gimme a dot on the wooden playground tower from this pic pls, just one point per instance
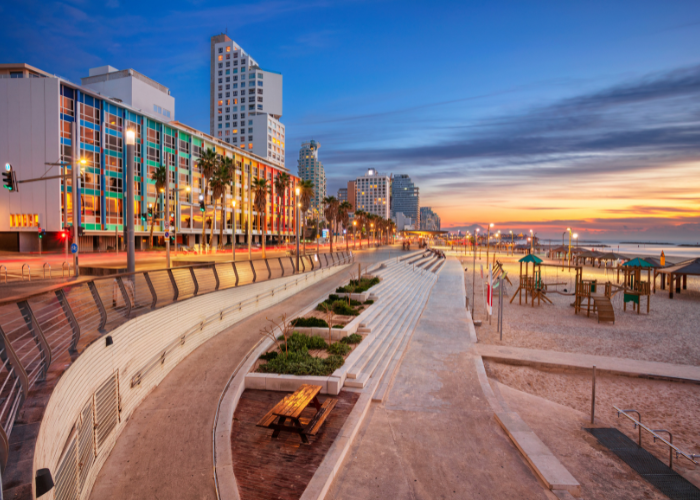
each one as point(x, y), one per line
point(633, 287)
point(533, 285)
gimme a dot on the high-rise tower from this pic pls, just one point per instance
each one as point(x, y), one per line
point(311, 169)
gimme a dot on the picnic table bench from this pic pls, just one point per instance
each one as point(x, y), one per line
point(292, 406)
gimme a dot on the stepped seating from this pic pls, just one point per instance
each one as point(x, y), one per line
point(604, 308)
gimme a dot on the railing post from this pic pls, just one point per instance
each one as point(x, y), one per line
point(235, 271)
point(295, 270)
point(61, 296)
point(174, 284)
point(125, 295)
point(302, 264)
point(152, 289)
point(281, 266)
point(99, 304)
point(38, 335)
point(255, 276)
point(269, 271)
point(216, 277)
point(194, 279)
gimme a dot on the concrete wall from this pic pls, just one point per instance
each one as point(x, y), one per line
point(136, 93)
point(135, 344)
point(272, 94)
point(29, 137)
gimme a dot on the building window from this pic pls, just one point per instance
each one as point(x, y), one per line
point(228, 49)
point(221, 50)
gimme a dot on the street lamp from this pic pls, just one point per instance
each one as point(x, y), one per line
point(476, 244)
point(532, 242)
point(576, 238)
point(130, 235)
point(568, 255)
point(372, 230)
point(233, 238)
point(488, 243)
point(297, 218)
point(354, 240)
point(512, 243)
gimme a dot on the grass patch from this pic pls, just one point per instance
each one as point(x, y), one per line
point(301, 363)
point(298, 342)
point(338, 326)
point(309, 322)
point(369, 302)
point(342, 308)
point(355, 338)
point(339, 348)
point(358, 286)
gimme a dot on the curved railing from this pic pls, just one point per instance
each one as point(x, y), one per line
point(46, 327)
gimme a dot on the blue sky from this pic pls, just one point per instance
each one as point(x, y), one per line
point(525, 113)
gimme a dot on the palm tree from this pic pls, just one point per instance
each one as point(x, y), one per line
point(208, 164)
point(306, 192)
point(230, 166)
point(281, 183)
point(330, 212)
point(343, 217)
point(260, 190)
point(159, 175)
point(218, 184)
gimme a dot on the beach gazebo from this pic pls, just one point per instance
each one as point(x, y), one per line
point(633, 287)
point(678, 275)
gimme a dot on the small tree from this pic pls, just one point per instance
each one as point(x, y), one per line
point(280, 325)
point(328, 311)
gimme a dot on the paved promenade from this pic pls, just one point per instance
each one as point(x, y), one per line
point(165, 451)
point(435, 436)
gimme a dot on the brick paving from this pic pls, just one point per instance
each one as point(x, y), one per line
point(280, 468)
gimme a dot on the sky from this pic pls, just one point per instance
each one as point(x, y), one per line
point(530, 115)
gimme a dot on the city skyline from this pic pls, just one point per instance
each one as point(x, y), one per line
point(596, 131)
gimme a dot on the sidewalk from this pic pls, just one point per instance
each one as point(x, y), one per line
point(435, 436)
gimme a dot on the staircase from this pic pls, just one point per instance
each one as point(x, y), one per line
point(604, 308)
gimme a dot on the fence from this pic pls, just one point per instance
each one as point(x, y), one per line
point(44, 328)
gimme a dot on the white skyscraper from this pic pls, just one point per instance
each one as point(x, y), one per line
point(372, 192)
point(246, 101)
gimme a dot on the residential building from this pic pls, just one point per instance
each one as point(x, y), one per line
point(245, 102)
point(311, 169)
point(372, 193)
point(429, 220)
point(342, 195)
point(38, 127)
point(403, 223)
point(405, 197)
point(352, 195)
point(132, 88)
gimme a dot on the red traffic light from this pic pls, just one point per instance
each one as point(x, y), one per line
point(63, 234)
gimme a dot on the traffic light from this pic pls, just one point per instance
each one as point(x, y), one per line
point(144, 218)
point(150, 210)
point(81, 231)
point(42, 233)
point(9, 179)
point(64, 235)
point(201, 203)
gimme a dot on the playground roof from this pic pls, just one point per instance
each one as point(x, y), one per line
point(612, 256)
point(637, 262)
point(691, 266)
point(531, 258)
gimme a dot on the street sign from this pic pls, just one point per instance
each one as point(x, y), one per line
point(74, 248)
point(167, 234)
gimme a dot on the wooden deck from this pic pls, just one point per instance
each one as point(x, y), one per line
point(279, 468)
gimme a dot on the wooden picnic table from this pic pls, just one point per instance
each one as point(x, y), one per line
point(292, 406)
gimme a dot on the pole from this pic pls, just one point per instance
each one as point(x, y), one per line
point(593, 399)
point(474, 277)
point(298, 209)
point(65, 208)
point(500, 306)
point(76, 191)
point(166, 211)
point(250, 214)
point(233, 242)
point(130, 235)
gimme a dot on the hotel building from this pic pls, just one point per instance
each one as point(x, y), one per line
point(245, 102)
point(342, 195)
point(45, 120)
point(405, 198)
point(372, 193)
point(429, 220)
point(311, 169)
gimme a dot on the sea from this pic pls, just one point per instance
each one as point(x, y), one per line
point(650, 249)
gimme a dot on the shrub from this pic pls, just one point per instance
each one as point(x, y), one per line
point(355, 303)
point(298, 342)
point(301, 363)
point(342, 308)
point(358, 286)
point(369, 302)
point(355, 338)
point(332, 298)
point(309, 322)
point(339, 348)
point(316, 342)
point(269, 355)
point(340, 327)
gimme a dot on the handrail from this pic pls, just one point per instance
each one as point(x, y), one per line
point(2, 266)
point(30, 273)
point(653, 432)
point(63, 269)
point(44, 268)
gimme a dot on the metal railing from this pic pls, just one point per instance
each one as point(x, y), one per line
point(30, 271)
point(40, 328)
point(653, 432)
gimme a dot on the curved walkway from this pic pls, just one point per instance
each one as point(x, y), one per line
point(165, 451)
point(435, 435)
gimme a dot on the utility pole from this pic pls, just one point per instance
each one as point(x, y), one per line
point(250, 214)
point(298, 211)
point(130, 235)
point(166, 213)
point(76, 189)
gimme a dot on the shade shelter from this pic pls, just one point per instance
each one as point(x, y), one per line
point(634, 288)
point(678, 275)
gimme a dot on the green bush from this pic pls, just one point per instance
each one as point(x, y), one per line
point(355, 338)
point(269, 355)
point(369, 302)
point(298, 342)
point(341, 307)
point(355, 303)
point(316, 342)
point(358, 286)
point(332, 298)
point(309, 322)
point(339, 348)
point(301, 363)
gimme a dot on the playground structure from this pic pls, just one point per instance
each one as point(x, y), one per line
point(633, 286)
point(533, 285)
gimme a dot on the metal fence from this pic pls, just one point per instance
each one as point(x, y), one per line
point(46, 327)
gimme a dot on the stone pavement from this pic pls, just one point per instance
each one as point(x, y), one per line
point(435, 436)
point(622, 366)
point(165, 451)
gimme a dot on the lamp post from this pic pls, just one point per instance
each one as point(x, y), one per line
point(233, 239)
point(512, 243)
point(297, 218)
point(532, 242)
point(476, 244)
point(130, 237)
point(371, 225)
point(354, 240)
point(488, 243)
point(568, 254)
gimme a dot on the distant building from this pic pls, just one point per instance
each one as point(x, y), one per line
point(403, 223)
point(352, 195)
point(342, 195)
point(372, 193)
point(429, 220)
point(245, 101)
point(405, 197)
point(311, 169)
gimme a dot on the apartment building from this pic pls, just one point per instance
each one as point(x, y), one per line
point(245, 102)
point(311, 169)
point(405, 198)
point(429, 220)
point(48, 124)
point(372, 192)
point(342, 195)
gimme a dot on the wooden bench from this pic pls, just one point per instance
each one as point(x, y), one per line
point(292, 406)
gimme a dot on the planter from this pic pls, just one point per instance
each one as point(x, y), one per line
point(360, 297)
